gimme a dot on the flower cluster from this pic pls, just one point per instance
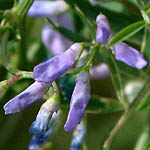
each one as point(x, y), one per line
point(50, 70)
point(122, 51)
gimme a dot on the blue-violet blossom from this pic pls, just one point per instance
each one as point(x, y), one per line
point(38, 140)
point(129, 55)
point(122, 51)
point(78, 136)
point(52, 69)
point(79, 101)
point(26, 98)
point(103, 29)
point(40, 125)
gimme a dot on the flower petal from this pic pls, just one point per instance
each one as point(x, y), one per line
point(129, 55)
point(26, 98)
point(79, 101)
point(52, 69)
point(103, 30)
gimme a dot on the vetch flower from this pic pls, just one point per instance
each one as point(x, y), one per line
point(52, 69)
point(54, 41)
point(78, 136)
point(103, 29)
point(38, 140)
point(129, 55)
point(41, 8)
point(79, 101)
point(33, 93)
point(40, 125)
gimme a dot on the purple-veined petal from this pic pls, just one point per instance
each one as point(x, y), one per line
point(52, 69)
point(33, 93)
point(129, 55)
point(79, 101)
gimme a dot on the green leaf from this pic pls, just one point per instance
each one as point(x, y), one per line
point(97, 105)
point(145, 104)
point(115, 74)
point(101, 105)
point(146, 43)
point(127, 32)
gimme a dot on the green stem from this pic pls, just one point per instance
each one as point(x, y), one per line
point(23, 7)
point(12, 70)
point(4, 57)
point(125, 116)
point(85, 20)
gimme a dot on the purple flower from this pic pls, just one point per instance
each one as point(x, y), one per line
point(40, 125)
point(38, 140)
point(52, 69)
point(79, 101)
point(129, 55)
point(100, 71)
point(54, 41)
point(103, 30)
point(26, 98)
point(47, 8)
point(78, 136)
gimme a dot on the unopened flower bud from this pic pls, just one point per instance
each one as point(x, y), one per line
point(79, 101)
point(33, 93)
point(38, 140)
point(103, 30)
point(52, 69)
point(40, 125)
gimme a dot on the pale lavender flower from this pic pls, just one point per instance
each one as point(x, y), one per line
point(129, 55)
point(52, 69)
point(47, 8)
point(54, 41)
point(78, 136)
point(79, 101)
point(103, 30)
point(100, 71)
point(40, 125)
point(26, 98)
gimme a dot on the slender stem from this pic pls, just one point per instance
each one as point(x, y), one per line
point(24, 7)
point(4, 57)
point(86, 20)
point(125, 116)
